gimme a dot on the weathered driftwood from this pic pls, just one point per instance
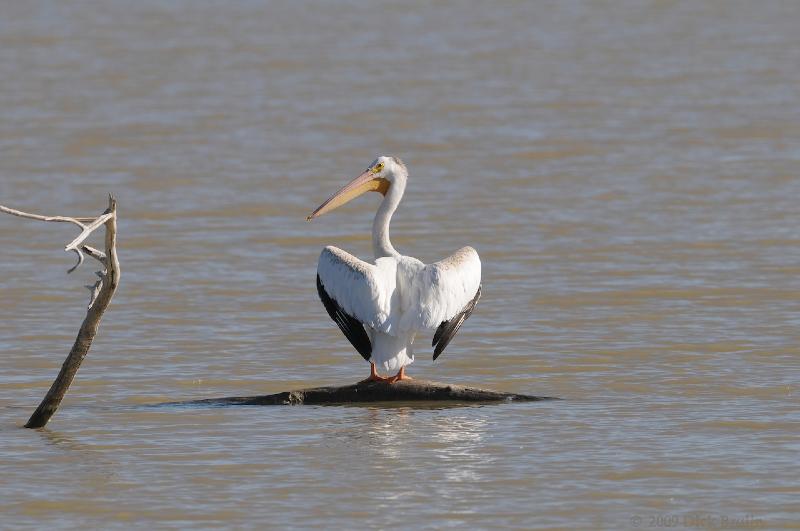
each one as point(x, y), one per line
point(402, 391)
point(101, 293)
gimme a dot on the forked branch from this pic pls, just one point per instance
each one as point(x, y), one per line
point(101, 293)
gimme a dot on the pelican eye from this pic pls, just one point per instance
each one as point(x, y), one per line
point(378, 167)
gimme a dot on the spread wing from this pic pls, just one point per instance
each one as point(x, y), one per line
point(447, 330)
point(358, 290)
point(352, 329)
point(443, 295)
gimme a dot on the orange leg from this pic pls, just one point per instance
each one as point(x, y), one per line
point(374, 376)
point(401, 375)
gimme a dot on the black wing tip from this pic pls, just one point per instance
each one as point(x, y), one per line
point(352, 329)
point(437, 352)
point(448, 329)
point(438, 334)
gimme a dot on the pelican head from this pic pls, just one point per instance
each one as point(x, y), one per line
point(378, 177)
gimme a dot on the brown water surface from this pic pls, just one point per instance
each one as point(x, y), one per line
point(628, 172)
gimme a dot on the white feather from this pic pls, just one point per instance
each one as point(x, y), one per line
point(439, 291)
point(399, 296)
point(365, 291)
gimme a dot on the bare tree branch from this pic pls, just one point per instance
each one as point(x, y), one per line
point(102, 292)
point(97, 254)
point(87, 231)
point(77, 221)
point(80, 261)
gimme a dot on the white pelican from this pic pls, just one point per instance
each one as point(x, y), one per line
point(381, 306)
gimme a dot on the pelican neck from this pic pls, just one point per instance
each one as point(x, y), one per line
point(381, 244)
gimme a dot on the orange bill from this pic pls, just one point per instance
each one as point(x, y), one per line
point(366, 182)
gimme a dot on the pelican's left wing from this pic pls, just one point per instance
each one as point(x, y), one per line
point(444, 295)
point(362, 291)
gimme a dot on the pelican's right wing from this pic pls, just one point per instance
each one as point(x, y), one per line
point(361, 291)
point(443, 296)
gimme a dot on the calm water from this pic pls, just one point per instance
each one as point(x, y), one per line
point(628, 172)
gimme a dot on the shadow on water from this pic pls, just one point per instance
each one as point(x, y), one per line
point(86, 454)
